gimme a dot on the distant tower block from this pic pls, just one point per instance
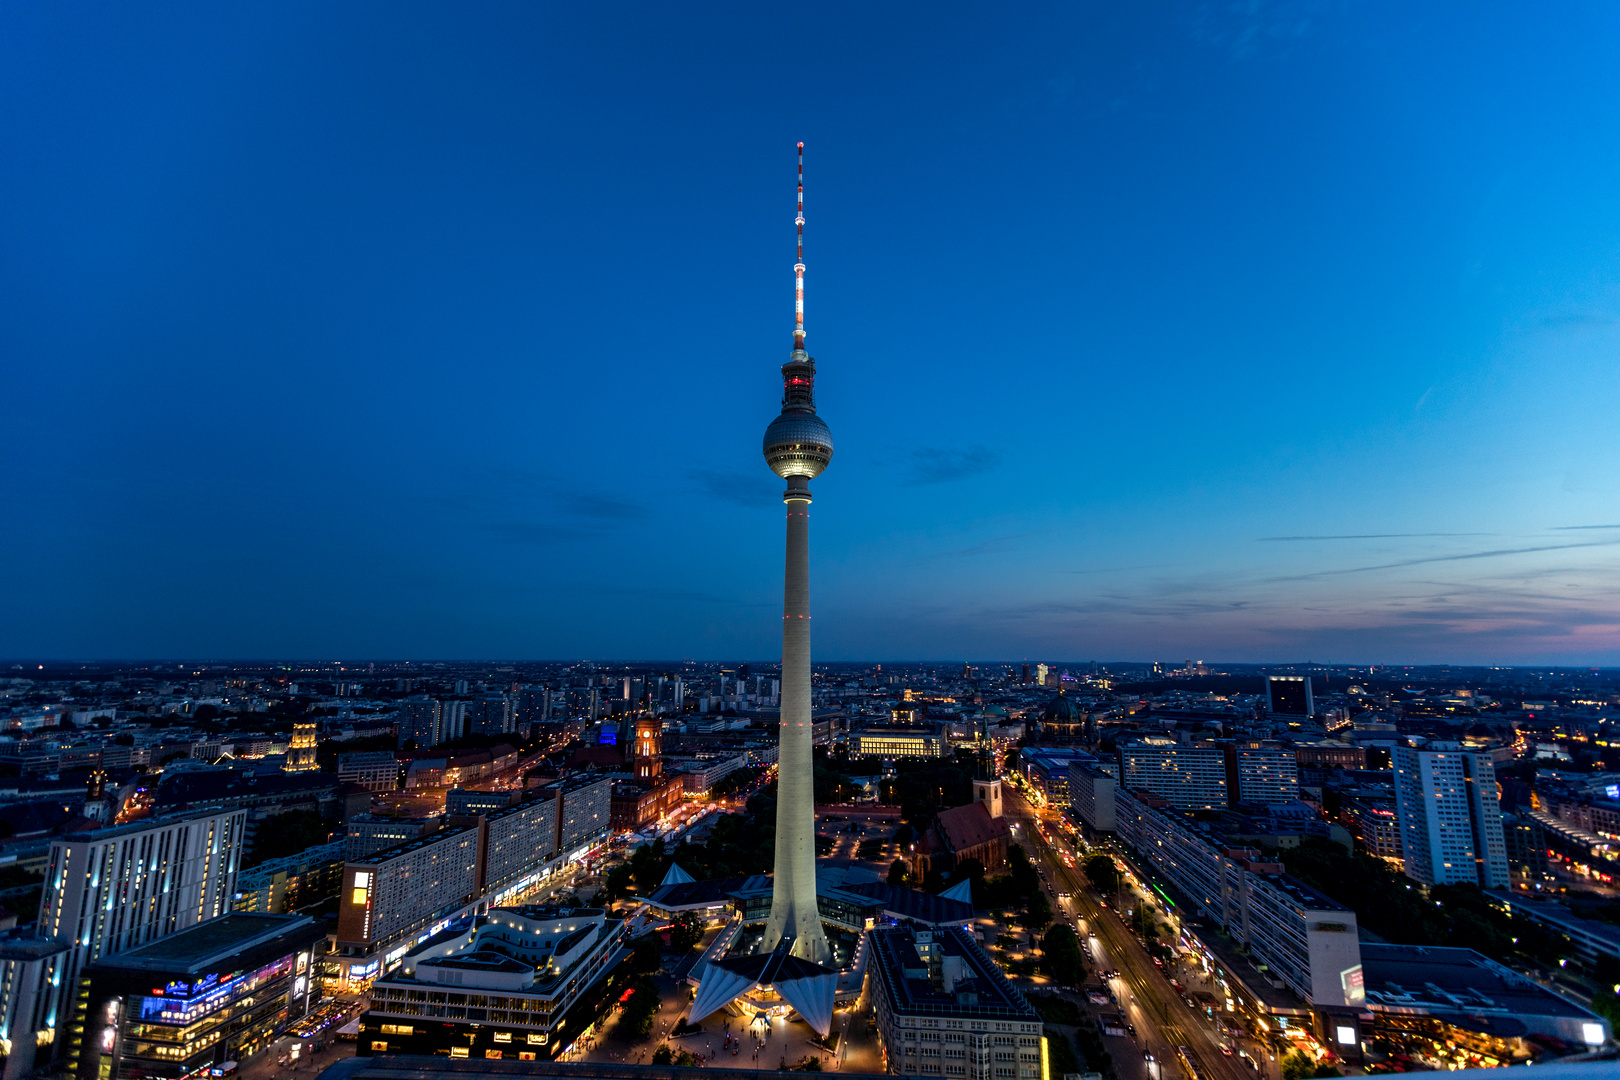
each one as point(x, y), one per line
point(989, 793)
point(301, 750)
point(798, 447)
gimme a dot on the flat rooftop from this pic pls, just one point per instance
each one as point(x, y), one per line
point(894, 950)
point(1461, 981)
point(209, 943)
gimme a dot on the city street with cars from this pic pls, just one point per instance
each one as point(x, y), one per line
point(1165, 1039)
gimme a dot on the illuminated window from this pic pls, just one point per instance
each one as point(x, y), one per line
point(379, 1046)
point(503, 1036)
point(525, 1055)
point(496, 1054)
point(458, 1051)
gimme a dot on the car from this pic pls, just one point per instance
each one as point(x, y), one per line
point(1132, 1029)
point(1226, 1049)
point(1147, 1055)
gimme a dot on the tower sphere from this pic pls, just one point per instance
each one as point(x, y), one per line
point(798, 444)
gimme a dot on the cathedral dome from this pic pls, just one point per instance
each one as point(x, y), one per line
point(1062, 710)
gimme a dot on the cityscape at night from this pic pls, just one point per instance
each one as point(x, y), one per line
point(423, 655)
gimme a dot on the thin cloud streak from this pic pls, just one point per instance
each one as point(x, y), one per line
point(1447, 558)
point(1367, 536)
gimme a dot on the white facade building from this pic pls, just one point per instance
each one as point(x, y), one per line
point(1188, 777)
point(1450, 819)
point(1306, 939)
point(110, 890)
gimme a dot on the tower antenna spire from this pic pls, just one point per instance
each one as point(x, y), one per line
point(798, 266)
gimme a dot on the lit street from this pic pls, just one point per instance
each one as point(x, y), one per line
point(1162, 1020)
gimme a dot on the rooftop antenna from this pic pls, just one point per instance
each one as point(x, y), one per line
point(798, 267)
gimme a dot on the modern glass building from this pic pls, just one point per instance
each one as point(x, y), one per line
point(180, 1006)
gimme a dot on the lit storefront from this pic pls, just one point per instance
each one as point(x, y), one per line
point(216, 993)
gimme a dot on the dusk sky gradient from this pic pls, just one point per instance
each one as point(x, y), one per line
point(1234, 331)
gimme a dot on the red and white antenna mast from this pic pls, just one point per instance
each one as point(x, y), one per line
point(798, 267)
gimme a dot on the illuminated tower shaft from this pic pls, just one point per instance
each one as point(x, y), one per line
point(798, 446)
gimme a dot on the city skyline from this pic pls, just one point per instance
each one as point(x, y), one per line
point(1253, 335)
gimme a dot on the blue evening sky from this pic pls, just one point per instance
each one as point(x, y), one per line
point(1234, 331)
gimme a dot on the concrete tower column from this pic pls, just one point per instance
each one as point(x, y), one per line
point(797, 447)
point(793, 898)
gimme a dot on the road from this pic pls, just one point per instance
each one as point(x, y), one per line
point(1162, 1019)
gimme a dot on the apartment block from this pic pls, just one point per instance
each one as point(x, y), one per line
point(943, 1008)
point(391, 895)
point(1451, 825)
point(419, 720)
point(1261, 773)
point(1091, 795)
point(110, 890)
point(369, 833)
point(374, 770)
point(1189, 777)
point(1306, 939)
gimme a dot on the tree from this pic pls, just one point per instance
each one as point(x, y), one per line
point(1023, 871)
point(1061, 956)
point(903, 835)
point(663, 1055)
point(644, 953)
point(899, 874)
point(685, 932)
point(1039, 912)
point(1296, 1066)
point(617, 882)
point(1103, 874)
point(641, 1009)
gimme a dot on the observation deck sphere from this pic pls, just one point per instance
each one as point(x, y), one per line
point(798, 444)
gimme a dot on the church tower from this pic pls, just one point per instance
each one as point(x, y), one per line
point(989, 793)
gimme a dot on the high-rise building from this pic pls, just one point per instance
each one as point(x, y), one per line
point(798, 446)
point(1526, 843)
point(532, 706)
point(419, 720)
point(1451, 823)
point(1188, 777)
point(491, 714)
point(115, 889)
point(1261, 773)
point(452, 721)
point(1289, 695)
point(1040, 674)
point(1091, 794)
point(301, 749)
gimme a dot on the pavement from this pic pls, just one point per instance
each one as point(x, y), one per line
point(754, 1049)
point(266, 1065)
point(1162, 1019)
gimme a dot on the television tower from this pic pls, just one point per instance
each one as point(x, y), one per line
point(798, 446)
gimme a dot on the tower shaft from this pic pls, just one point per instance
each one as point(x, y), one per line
point(793, 897)
point(797, 447)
